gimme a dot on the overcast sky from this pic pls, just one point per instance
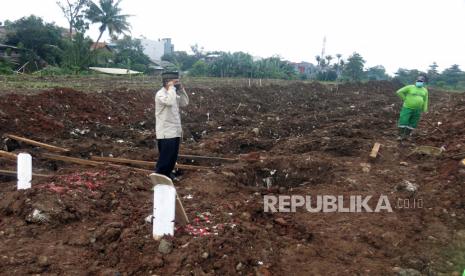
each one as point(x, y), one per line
point(394, 33)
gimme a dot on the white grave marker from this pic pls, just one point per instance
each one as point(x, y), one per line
point(164, 202)
point(24, 171)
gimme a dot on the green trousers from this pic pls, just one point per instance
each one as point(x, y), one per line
point(409, 118)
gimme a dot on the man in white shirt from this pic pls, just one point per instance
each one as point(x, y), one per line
point(168, 100)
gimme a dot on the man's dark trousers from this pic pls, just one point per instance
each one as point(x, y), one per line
point(168, 150)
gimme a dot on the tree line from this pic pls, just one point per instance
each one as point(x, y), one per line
point(239, 64)
point(69, 51)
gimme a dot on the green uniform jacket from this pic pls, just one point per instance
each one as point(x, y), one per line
point(414, 97)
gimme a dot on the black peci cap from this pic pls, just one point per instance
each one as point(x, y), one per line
point(170, 75)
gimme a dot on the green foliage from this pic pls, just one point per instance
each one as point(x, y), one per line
point(42, 40)
point(407, 76)
point(353, 69)
point(108, 15)
point(240, 64)
point(199, 69)
point(77, 55)
point(181, 59)
point(237, 64)
point(452, 76)
point(5, 68)
point(377, 72)
point(129, 49)
point(102, 58)
point(53, 71)
point(433, 74)
point(326, 75)
point(274, 68)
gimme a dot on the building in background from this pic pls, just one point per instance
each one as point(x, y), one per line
point(306, 69)
point(2, 33)
point(155, 49)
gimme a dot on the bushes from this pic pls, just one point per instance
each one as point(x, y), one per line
point(5, 68)
point(53, 71)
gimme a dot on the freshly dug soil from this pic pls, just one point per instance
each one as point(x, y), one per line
point(301, 139)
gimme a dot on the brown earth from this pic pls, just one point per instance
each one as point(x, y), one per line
point(301, 139)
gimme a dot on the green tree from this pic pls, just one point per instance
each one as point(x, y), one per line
point(108, 15)
point(328, 59)
point(199, 69)
point(77, 55)
point(326, 75)
point(130, 52)
point(73, 12)
point(183, 60)
point(353, 69)
point(377, 72)
point(318, 60)
point(274, 68)
point(433, 73)
point(453, 75)
point(407, 76)
point(42, 40)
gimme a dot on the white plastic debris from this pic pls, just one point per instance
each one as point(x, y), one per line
point(164, 202)
point(408, 186)
point(24, 171)
point(37, 216)
point(188, 197)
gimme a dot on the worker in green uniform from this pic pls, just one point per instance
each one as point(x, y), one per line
point(415, 98)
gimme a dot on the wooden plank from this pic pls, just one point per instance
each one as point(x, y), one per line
point(37, 144)
point(200, 157)
point(124, 161)
point(71, 159)
point(8, 155)
point(127, 167)
point(375, 150)
point(13, 173)
point(149, 164)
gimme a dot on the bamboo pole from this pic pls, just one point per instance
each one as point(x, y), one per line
point(144, 163)
point(208, 157)
point(13, 173)
point(37, 144)
point(71, 159)
point(8, 155)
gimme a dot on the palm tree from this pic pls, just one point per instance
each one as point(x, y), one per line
point(329, 58)
point(108, 14)
point(338, 57)
point(318, 59)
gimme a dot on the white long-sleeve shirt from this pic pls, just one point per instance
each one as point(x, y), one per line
point(167, 115)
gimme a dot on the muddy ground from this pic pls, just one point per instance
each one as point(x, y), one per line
point(300, 139)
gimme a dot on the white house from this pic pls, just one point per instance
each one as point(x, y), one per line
point(155, 49)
